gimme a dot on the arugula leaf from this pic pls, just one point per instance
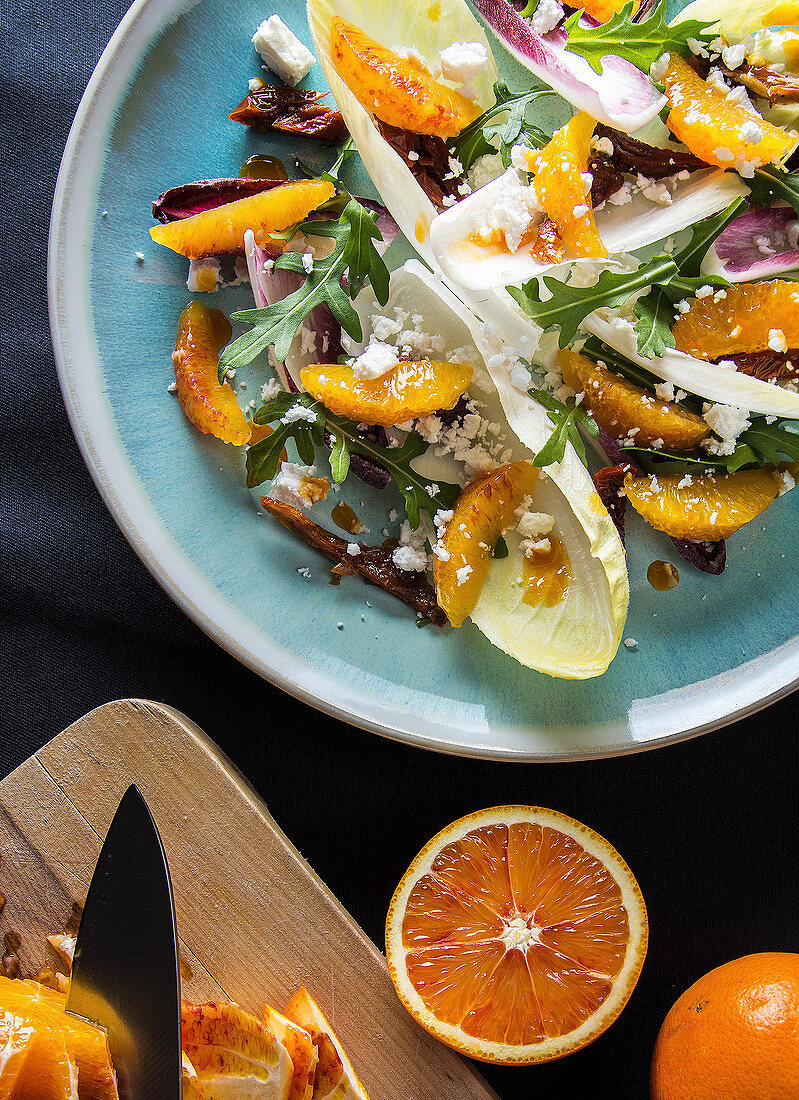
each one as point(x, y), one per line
point(481, 137)
point(770, 441)
point(566, 416)
point(263, 458)
point(655, 315)
point(761, 444)
point(772, 182)
point(639, 43)
point(353, 254)
point(569, 305)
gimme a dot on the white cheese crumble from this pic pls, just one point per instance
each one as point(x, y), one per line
point(298, 485)
point(307, 262)
point(520, 378)
point(727, 421)
point(410, 555)
point(462, 63)
point(282, 50)
point(534, 528)
point(514, 209)
point(376, 358)
point(463, 573)
point(298, 412)
point(777, 340)
point(485, 169)
point(270, 389)
point(353, 549)
point(631, 643)
point(546, 16)
point(787, 482)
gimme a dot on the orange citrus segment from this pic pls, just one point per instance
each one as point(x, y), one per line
point(713, 127)
point(191, 1089)
point(512, 929)
point(233, 1053)
point(408, 390)
point(43, 1009)
point(399, 91)
point(222, 229)
point(560, 187)
point(602, 10)
point(335, 1078)
point(712, 506)
point(211, 407)
point(302, 1052)
point(752, 317)
point(484, 509)
point(620, 407)
point(48, 1073)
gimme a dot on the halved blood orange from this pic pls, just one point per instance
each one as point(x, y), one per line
point(749, 317)
point(713, 127)
point(406, 391)
point(397, 90)
point(221, 230)
point(211, 407)
point(516, 935)
point(560, 187)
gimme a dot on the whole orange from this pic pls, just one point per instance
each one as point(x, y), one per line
point(733, 1034)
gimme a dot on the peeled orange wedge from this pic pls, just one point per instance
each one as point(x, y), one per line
point(712, 506)
point(560, 187)
point(302, 1052)
point(233, 1053)
point(712, 126)
point(403, 392)
point(516, 935)
point(397, 90)
point(746, 319)
point(619, 407)
point(211, 407)
point(484, 509)
point(335, 1079)
point(220, 230)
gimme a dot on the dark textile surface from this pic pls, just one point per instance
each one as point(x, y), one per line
point(708, 827)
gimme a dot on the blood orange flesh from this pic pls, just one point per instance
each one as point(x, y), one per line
point(516, 935)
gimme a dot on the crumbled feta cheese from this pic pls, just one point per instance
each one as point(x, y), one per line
point(377, 358)
point(298, 486)
point(631, 643)
point(546, 16)
point(513, 211)
point(307, 262)
point(172, 387)
point(304, 572)
point(602, 145)
point(282, 50)
point(253, 84)
point(463, 573)
point(733, 56)
point(654, 190)
point(205, 275)
point(750, 131)
point(353, 549)
point(139, 257)
point(412, 155)
point(270, 389)
point(410, 555)
point(580, 210)
point(665, 391)
point(298, 412)
point(462, 63)
point(777, 340)
point(485, 169)
point(685, 482)
point(787, 482)
point(520, 378)
point(727, 422)
point(658, 68)
point(724, 154)
point(384, 327)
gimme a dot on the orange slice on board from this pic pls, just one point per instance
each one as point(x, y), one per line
point(516, 935)
point(709, 507)
point(210, 406)
point(302, 1052)
point(402, 393)
point(620, 407)
point(713, 127)
point(335, 1079)
point(220, 230)
point(233, 1053)
point(397, 90)
point(49, 1072)
point(560, 188)
point(482, 512)
point(751, 315)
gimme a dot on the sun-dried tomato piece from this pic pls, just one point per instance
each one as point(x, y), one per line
point(193, 198)
point(374, 563)
point(766, 82)
point(609, 482)
point(766, 365)
point(631, 155)
point(290, 110)
point(429, 163)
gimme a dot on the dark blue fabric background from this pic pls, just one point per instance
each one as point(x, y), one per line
point(709, 827)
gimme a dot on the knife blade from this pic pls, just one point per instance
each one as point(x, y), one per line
point(125, 974)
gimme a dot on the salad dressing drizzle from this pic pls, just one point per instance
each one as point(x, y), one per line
point(546, 577)
point(263, 167)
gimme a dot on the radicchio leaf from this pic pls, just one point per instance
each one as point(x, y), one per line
point(759, 244)
point(622, 96)
point(188, 199)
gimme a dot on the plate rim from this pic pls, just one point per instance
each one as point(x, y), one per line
point(134, 524)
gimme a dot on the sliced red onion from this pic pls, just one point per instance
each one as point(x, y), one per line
point(759, 244)
point(622, 96)
point(708, 557)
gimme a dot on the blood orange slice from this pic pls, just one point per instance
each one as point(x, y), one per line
point(516, 935)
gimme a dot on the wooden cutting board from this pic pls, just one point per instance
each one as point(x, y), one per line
point(254, 920)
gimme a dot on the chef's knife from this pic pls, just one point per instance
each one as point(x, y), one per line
point(125, 974)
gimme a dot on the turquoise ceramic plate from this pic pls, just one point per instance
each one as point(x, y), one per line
point(154, 115)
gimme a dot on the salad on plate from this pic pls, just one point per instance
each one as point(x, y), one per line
point(602, 310)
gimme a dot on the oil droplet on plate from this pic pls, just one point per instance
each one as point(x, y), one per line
point(662, 575)
point(262, 167)
point(344, 517)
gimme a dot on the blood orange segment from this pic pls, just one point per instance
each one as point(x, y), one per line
point(709, 507)
point(481, 513)
point(602, 10)
point(620, 407)
point(397, 90)
point(220, 230)
point(561, 189)
point(516, 935)
point(716, 129)
point(335, 1079)
point(211, 407)
point(750, 317)
point(408, 390)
